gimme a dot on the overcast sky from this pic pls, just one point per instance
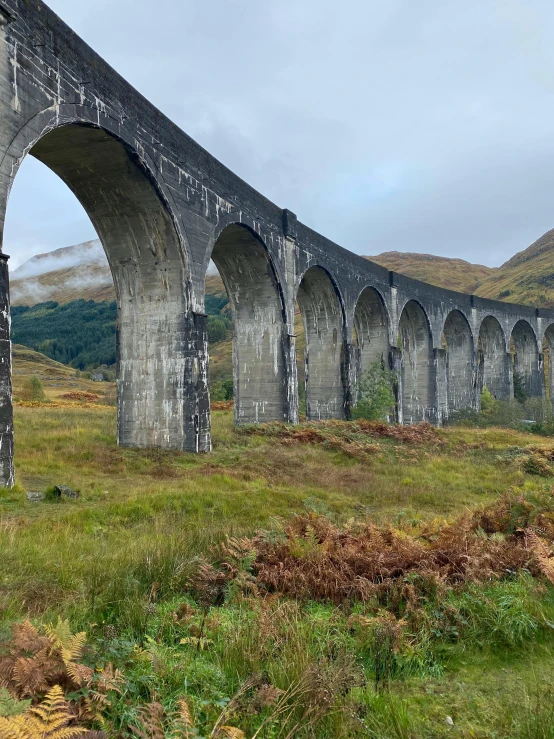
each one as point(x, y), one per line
point(386, 125)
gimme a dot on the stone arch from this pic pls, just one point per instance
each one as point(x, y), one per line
point(460, 362)
point(70, 115)
point(371, 330)
point(259, 324)
point(159, 377)
point(322, 312)
point(526, 358)
point(417, 391)
point(494, 374)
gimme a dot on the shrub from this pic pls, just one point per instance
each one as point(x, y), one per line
point(33, 390)
point(222, 390)
point(506, 413)
point(488, 401)
point(520, 393)
point(375, 394)
point(217, 329)
point(536, 409)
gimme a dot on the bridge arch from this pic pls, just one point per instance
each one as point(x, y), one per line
point(492, 359)
point(417, 387)
point(130, 207)
point(526, 359)
point(460, 362)
point(371, 328)
point(255, 294)
point(322, 309)
point(70, 115)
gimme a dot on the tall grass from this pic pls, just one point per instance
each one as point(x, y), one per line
point(118, 563)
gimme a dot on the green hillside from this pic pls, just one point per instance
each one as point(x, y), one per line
point(454, 274)
point(80, 333)
point(526, 278)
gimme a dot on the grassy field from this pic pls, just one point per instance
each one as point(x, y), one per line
point(57, 379)
point(136, 563)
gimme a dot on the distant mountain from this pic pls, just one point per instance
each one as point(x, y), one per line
point(78, 272)
point(454, 274)
point(67, 274)
point(526, 278)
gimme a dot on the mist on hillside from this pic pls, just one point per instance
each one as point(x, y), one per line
point(90, 252)
point(73, 270)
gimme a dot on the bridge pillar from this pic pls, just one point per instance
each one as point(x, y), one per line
point(350, 374)
point(6, 410)
point(503, 388)
point(395, 364)
point(290, 378)
point(162, 379)
point(441, 391)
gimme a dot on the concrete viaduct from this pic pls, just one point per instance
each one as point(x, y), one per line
point(163, 207)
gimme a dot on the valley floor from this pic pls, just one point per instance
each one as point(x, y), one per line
point(136, 562)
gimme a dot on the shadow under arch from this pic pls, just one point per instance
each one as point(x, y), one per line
point(158, 377)
point(417, 392)
point(322, 311)
point(260, 368)
point(526, 359)
point(461, 378)
point(371, 330)
point(494, 373)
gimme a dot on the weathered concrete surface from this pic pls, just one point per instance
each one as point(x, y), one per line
point(526, 358)
point(494, 362)
point(548, 354)
point(163, 206)
point(418, 389)
point(325, 345)
point(6, 411)
point(371, 332)
point(461, 375)
point(260, 340)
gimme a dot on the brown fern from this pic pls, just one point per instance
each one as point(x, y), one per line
point(184, 725)
point(543, 554)
point(153, 721)
point(229, 732)
point(28, 675)
point(50, 719)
